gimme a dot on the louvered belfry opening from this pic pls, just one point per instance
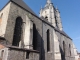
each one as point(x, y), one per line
point(17, 32)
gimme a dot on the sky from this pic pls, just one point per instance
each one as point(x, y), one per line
point(70, 15)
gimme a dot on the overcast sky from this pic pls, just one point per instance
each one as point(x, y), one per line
point(70, 15)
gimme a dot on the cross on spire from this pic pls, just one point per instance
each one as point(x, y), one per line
point(48, 1)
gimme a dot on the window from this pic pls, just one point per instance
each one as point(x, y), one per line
point(2, 53)
point(64, 47)
point(27, 55)
point(70, 49)
point(46, 17)
point(1, 18)
point(34, 37)
point(1, 15)
point(63, 57)
point(48, 40)
point(17, 32)
point(56, 23)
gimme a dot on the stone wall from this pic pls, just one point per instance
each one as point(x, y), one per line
point(27, 31)
point(21, 54)
point(4, 17)
point(4, 53)
point(48, 55)
point(68, 42)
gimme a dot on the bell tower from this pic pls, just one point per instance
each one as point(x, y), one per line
point(48, 12)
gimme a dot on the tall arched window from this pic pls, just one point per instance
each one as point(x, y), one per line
point(70, 49)
point(34, 37)
point(48, 40)
point(17, 32)
point(64, 47)
point(64, 50)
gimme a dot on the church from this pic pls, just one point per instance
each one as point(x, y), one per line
point(25, 36)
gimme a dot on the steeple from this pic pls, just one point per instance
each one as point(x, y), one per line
point(48, 3)
point(48, 12)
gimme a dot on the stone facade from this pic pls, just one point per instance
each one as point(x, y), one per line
point(35, 38)
point(79, 56)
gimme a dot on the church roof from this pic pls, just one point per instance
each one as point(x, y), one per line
point(23, 5)
point(62, 32)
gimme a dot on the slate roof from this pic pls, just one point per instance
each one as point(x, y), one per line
point(62, 32)
point(23, 5)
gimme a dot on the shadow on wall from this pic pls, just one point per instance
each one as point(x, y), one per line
point(38, 43)
point(62, 54)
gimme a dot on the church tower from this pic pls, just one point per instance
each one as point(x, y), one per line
point(50, 13)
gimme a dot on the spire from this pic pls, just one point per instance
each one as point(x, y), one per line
point(56, 8)
point(48, 1)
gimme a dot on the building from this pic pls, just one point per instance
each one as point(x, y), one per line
point(79, 56)
point(25, 36)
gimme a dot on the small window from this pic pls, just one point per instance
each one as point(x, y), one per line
point(46, 17)
point(2, 53)
point(27, 55)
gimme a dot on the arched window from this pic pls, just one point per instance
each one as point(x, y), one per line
point(17, 32)
point(48, 40)
point(34, 37)
point(64, 47)
point(70, 49)
point(64, 50)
